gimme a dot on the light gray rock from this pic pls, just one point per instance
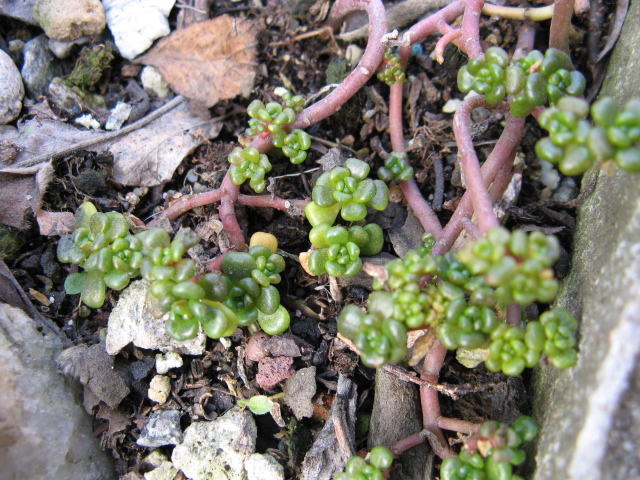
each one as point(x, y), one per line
point(70, 19)
point(589, 415)
point(40, 66)
point(11, 89)
point(162, 428)
point(44, 432)
point(159, 388)
point(136, 24)
point(166, 471)
point(20, 9)
point(119, 115)
point(62, 49)
point(217, 449)
point(263, 467)
point(131, 322)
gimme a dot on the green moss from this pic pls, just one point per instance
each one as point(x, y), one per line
point(90, 66)
point(10, 241)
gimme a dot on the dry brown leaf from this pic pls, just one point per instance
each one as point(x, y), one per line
point(55, 223)
point(150, 155)
point(20, 195)
point(117, 421)
point(208, 61)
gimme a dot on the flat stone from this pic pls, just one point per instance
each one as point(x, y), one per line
point(11, 89)
point(217, 449)
point(162, 428)
point(130, 321)
point(135, 25)
point(589, 415)
point(40, 66)
point(44, 431)
point(159, 388)
point(263, 467)
point(70, 19)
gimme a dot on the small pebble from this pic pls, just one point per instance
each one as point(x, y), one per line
point(159, 389)
point(70, 19)
point(11, 89)
point(152, 80)
point(162, 428)
point(119, 115)
point(166, 362)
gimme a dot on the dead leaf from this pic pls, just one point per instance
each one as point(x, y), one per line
point(55, 223)
point(93, 367)
point(22, 194)
point(208, 61)
point(299, 390)
point(149, 156)
point(334, 444)
point(117, 421)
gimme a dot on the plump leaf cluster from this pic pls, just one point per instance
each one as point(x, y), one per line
point(396, 167)
point(369, 468)
point(175, 289)
point(294, 145)
point(379, 337)
point(242, 294)
point(346, 191)
point(273, 116)
point(535, 80)
point(338, 249)
point(249, 163)
point(392, 70)
point(252, 296)
point(103, 247)
point(517, 265)
point(512, 348)
point(574, 143)
point(494, 454)
point(463, 296)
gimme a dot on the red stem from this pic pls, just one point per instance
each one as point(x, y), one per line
point(470, 165)
point(367, 66)
point(471, 28)
point(560, 25)
point(501, 155)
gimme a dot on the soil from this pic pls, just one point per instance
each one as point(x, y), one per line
point(202, 386)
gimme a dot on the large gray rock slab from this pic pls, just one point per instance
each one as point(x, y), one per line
point(44, 431)
point(590, 414)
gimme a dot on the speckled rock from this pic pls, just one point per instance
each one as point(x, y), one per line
point(40, 66)
point(159, 388)
point(44, 432)
point(263, 467)
point(217, 449)
point(162, 428)
point(70, 19)
point(589, 415)
point(11, 89)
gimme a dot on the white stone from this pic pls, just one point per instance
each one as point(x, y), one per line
point(135, 24)
point(164, 363)
point(62, 49)
point(119, 115)
point(451, 106)
point(88, 121)
point(151, 79)
point(263, 467)
point(159, 388)
point(11, 89)
point(217, 449)
point(130, 321)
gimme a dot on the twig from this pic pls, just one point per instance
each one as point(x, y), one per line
point(104, 137)
point(536, 14)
